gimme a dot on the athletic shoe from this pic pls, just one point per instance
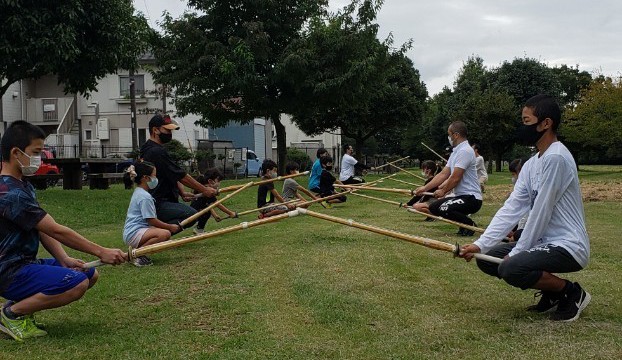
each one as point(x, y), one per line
point(327, 205)
point(460, 232)
point(20, 328)
point(429, 219)
point(548, 302)
point(198, 231)
point(142, 261)
point(572, 304)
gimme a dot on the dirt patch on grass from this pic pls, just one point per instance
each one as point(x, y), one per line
point(592, 191)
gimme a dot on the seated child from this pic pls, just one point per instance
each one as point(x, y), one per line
point(266, 193)
point(327, 180)
point(142, 226)
point(422, 203)
point(291, 187)
point(211, 178)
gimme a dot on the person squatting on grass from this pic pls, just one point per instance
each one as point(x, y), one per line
point(316, 171)
point(327, 181)
point(554, 239)
point(350, 166)
point(142, 226)
point(266, 193)
point(460, 176)
point(291, 187)
point(211, 178)
point(30, 284)
point(422, 202)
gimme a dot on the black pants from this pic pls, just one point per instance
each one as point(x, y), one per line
point(173, 212)
point(456, 208)
point(200, 204)
point(524, 269)
point(352, 180)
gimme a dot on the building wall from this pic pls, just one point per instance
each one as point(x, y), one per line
point(12, 104)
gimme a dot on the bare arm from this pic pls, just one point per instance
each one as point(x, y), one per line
point(436, 181)
point(226, 210)
point(277, 195)
point(173, 228)
point(190, 182)
point(53, 247)
point(451, 183)
point(307, 192)
point(72, 239)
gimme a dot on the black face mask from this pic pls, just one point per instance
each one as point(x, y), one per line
point(165, 138)
point(329, 168)
point(528, 134)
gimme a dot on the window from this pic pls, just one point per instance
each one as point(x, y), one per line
point(142, 136)
point(251, 156)
point(88, 135)
point(124, 85)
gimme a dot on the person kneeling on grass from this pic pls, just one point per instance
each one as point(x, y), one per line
point(211, 179)
point(266, 193)
point(142, 226)
point(291, 187)
point(30, 284)
point(327, 181)
point(422, 202)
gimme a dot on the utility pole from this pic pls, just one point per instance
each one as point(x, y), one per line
point(133, 110)
point(163, 99)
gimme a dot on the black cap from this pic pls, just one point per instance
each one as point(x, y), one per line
point(163, 121)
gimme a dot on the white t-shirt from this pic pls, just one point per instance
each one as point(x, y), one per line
point(549, 186)
point(463, 157)
point(480, 166)
point(347, 167)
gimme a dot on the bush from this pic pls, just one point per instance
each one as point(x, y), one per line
point(299, 157)
point(178, 152)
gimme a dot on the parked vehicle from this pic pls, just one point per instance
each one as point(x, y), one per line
point(252, 165)
point(45, 169)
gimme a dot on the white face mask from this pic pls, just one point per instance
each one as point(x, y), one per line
point(152, 183)
point(34, 164)
point(451, 143)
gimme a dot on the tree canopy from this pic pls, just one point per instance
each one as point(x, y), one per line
point(79, 41)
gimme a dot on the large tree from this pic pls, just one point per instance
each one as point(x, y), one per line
point(79, 41)
point(221, 60)
point(342, 77)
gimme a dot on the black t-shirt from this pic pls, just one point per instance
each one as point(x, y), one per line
point(264, 194)
point(326, 182)
point(168, 173)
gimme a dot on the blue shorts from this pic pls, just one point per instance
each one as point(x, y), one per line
point(46, 276)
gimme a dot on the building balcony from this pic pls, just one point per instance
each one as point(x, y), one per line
point(47, 111)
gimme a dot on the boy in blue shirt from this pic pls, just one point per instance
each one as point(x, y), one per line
point(316, 171)
point(30, 284)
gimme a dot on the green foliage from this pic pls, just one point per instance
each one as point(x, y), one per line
point(299, 157)
point(342, 77)
point(178, 152)
point(79, 41)
point(595, 122)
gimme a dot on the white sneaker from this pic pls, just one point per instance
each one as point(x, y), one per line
point(198, 231)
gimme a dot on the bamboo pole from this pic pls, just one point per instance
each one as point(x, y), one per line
point(427, 242)
point(405, 182)
point(379, 199)
point(435, 153)
point(213, 205)
point(408, 172)
point(391, 162)
point(400, 191)
point(261, 182)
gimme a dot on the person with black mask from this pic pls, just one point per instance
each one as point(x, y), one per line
point(554, 239)
point(169, 174)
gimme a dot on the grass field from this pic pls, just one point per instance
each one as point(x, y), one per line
point(303, 288)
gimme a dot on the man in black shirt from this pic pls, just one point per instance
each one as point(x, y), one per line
point(169, 174)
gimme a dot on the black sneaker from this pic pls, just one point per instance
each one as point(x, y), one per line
point(571, 304)
point(460, 232)
point(548, 302)
point(467, 232)
point(142, 261)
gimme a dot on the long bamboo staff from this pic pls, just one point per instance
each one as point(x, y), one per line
point(408, 172)
point(213, 205)
point(261, 182)
point(400, 191)
point(405, 182)
point(430, 243)
point(170, 244)
point(391, 162)
point(435, 153)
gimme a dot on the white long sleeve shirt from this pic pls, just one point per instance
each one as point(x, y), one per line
point(549, 186)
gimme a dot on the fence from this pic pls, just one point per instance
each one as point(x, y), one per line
point(89, 151)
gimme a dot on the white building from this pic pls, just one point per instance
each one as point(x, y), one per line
point(294, 137)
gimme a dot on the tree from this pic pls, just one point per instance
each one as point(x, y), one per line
point(222, 61)
point(342, 77)
point(79, 41)
point(179, 153)
point(571, 82)
point(594, 123)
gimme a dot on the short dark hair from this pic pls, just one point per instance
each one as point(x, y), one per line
point(213, 174)
point(268, 165)
point(516, 165)
point(291, 166)
point(476, 147)
point(429, 164)
point(460, 128)
point(346, 147)
point(321, 151)
point(19, 134)
point(326, 159)
point(142, 168)
point(545, 106)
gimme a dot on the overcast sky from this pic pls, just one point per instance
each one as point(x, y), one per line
point(447, 32)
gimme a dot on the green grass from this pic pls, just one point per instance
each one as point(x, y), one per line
point(304, 288)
